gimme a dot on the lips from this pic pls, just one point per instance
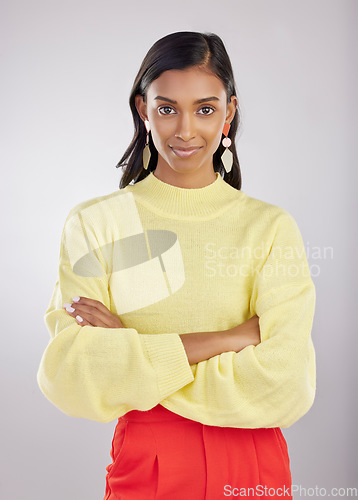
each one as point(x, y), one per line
point(185, 153)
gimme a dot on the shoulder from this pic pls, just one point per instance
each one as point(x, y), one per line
point(95, 207)
point(265, 212)
point(271, 223)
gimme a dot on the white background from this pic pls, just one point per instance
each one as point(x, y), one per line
point(67, 70)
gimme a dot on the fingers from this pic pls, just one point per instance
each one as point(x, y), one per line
point(87, 312)
point(92, 312)
point(82, 321)
point(86, 301)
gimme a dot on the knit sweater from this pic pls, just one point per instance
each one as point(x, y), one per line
point(169, 261)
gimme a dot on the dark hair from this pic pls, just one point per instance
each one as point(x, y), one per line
point(180, 50)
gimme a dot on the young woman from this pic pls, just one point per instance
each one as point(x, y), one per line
point(184, 307)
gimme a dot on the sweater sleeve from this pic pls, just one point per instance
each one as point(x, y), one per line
point(102, 373)
point(272, 384)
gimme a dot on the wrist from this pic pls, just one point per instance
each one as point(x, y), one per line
point(201, 346)
point(236, 338)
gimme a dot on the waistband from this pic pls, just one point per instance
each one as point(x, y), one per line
point(156, 414)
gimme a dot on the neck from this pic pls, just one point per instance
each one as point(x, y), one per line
point(188, 180)
point(185, 203)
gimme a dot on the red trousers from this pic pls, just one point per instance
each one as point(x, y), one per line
point(159, 455)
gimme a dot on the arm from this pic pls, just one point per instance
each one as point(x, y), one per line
point(198, 346)
point(95, 372)
point(273, 383)
point(201, 346)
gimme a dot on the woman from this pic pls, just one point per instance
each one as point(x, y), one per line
point(193, 308)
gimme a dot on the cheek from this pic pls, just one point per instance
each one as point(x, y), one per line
point(211, 135)
point(161, 137)
point(217, 141)
point(213, 140)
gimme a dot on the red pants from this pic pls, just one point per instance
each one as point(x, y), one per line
point(159, 455)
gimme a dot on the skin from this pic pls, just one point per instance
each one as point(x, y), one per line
point(186, 124)
point(183, 124)
point(93, 313)
point(198, 346)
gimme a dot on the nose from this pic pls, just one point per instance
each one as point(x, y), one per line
point(186, 128)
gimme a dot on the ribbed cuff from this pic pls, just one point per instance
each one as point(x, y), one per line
point(168, 357)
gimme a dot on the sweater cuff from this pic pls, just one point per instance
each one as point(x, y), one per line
point(169, 360)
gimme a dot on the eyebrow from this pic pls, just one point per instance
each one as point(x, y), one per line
point(205, 99)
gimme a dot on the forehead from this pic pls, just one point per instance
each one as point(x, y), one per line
point(186, 85)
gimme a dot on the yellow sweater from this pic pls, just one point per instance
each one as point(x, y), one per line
point(170, 261)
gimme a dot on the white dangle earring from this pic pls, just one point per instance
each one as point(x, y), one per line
point(227, 156)
point(146, 150)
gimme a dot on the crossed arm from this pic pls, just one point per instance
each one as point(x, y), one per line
point(199, 346)
point(260, 373)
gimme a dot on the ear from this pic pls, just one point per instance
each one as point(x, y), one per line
point(141, 107)
point(231, 109)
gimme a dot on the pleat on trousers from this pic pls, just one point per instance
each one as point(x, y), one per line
point(159, 455)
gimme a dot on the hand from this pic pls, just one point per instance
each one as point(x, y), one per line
point(247, 333)
point(93, 313)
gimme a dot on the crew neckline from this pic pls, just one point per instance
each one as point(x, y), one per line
point(185, 203)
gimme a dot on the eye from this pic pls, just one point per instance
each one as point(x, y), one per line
point(208, 107)
point(170, 108)
point(164, 107)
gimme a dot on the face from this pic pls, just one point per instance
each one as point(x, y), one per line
point(186, 132)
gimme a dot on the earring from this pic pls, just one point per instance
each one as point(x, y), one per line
point(146, 150)
point(227, 157)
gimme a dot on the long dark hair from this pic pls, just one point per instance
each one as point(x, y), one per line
point(180, 50)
